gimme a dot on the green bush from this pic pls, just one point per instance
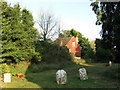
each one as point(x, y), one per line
point(102, 55)
point(89, 60)
point(89, 54)
point(53, 53)
point(5, 68)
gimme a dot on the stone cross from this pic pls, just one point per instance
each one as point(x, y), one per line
point(61, 77)
point(7, 77)
point(83, 74)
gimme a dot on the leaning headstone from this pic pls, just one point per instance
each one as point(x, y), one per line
point(83, 74)
point(61, 77)
point(7, 77)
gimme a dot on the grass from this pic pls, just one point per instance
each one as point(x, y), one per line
point(99, 76)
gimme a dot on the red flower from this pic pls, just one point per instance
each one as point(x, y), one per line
point(2, 76)
point(16, 75)
point(21, 76)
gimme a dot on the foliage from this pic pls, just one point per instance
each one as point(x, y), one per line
point(86, 50)
point(98, 43)
point(80, 61)
point(108, 15)
point(103, 55)
point(92, 44)
point(18, 35)
point(89, 54)
point(5, 68)
point(53, 53)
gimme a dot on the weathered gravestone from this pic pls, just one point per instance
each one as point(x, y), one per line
point(7, 77)
point(110, 63)
point(61, 77)
point(83, 74)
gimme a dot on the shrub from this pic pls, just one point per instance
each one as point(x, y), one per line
point(102, 55)
point(89, 54)
point(5, 68)
point(53, 53)
point(90, 60)
point(79, 61)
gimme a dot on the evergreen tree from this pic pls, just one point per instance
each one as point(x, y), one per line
point(30, 34)
point(17, 39)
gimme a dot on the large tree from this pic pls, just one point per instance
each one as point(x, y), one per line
point(108, 15)
point(30, 34)
point(17, 36)
point(48, 26)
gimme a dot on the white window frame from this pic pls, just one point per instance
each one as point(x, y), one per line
point(69, 50)
point(73, 43)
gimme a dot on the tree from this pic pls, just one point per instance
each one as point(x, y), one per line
point(17, 38)
point(102, 55)
point(50, 54)
point(98, 43)
point(10, 33)
point(30, 35)
point(48, 26)
point(108, 15)
point(92, 44)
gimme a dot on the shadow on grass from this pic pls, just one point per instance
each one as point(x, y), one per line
point(46, 78)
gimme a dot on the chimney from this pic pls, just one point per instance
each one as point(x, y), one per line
point(77, 38)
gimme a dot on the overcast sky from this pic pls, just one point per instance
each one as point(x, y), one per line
point(76, 14)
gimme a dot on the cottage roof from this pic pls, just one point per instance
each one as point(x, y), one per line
point(63, 40)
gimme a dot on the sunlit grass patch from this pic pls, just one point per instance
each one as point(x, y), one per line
point(86, 64)
point(82, 62)
point(19, 83)
point(19, 67)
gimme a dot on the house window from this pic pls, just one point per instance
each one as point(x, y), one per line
point(73, 43)
point(69, 50)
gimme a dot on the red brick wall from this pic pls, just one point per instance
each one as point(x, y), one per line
point(76, 50)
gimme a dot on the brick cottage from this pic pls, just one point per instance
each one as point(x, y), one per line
point(71, 43)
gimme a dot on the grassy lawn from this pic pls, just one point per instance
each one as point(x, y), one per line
point(98, 77)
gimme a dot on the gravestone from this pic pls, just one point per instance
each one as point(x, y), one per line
point(7, 77)
point(83, 74)
point(61, 77)
point(110, 63)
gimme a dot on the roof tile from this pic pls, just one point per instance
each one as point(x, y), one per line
point(63, 40)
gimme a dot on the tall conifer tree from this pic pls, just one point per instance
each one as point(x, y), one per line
point(17, 37)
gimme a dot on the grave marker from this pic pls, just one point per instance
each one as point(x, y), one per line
point(61, 77)
point(83, 74)
point(7, 77)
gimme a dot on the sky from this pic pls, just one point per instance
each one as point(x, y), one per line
point(71, 14)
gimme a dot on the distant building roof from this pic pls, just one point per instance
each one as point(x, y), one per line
point(62, 41)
